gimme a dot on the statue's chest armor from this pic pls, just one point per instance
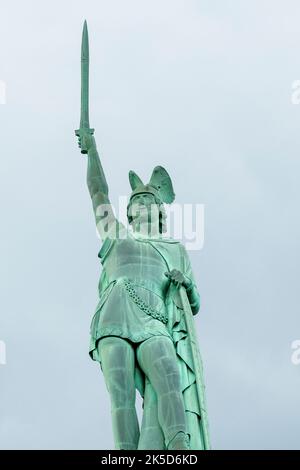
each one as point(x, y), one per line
point(135, 259)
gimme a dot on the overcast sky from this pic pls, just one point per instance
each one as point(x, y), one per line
point(203, 88)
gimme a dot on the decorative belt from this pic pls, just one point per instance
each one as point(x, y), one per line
point(142, 304)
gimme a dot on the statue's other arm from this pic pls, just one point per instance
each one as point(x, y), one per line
point(193, 296)
point(190, 284)
point(186, 279)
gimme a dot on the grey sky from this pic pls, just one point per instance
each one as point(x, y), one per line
point(203, 88)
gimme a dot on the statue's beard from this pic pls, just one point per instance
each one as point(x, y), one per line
point(145, 219)
point(145, 225)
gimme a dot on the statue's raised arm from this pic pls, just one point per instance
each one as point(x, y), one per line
point(96, 181)
point(98, 188)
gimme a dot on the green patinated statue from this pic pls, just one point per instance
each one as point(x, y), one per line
point(142, 332)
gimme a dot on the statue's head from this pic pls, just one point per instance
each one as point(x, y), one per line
point(146, 203)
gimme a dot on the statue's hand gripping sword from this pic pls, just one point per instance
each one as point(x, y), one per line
point(84, 128)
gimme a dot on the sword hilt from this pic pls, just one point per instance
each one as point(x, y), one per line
point(81, 133)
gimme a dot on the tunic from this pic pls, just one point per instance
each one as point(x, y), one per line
point(132, 286)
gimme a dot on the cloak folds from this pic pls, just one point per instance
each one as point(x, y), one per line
point(196, 418)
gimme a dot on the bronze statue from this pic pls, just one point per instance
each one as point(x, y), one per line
point(142, 332)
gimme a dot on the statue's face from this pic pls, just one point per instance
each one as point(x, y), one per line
point(144, 209)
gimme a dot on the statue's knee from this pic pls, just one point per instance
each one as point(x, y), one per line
point(150, 396)
point(117, 361)
point(122, 398)
point(121, 387)
point(167, 366)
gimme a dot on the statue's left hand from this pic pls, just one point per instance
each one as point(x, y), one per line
point(178, 278)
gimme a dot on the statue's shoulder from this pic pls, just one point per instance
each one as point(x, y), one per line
point(175, 244)
point(177, 249)
point(110, 241)
point(106, 248)
point(168, 240)
point(172, 245)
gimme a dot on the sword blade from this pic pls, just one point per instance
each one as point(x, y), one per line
point(85, 60)
point(84, 127)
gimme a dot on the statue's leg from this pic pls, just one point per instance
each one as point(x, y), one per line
point(157, 358)
point(151, 437)
point(118, 365)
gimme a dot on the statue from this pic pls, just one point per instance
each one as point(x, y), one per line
point(142, 332)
